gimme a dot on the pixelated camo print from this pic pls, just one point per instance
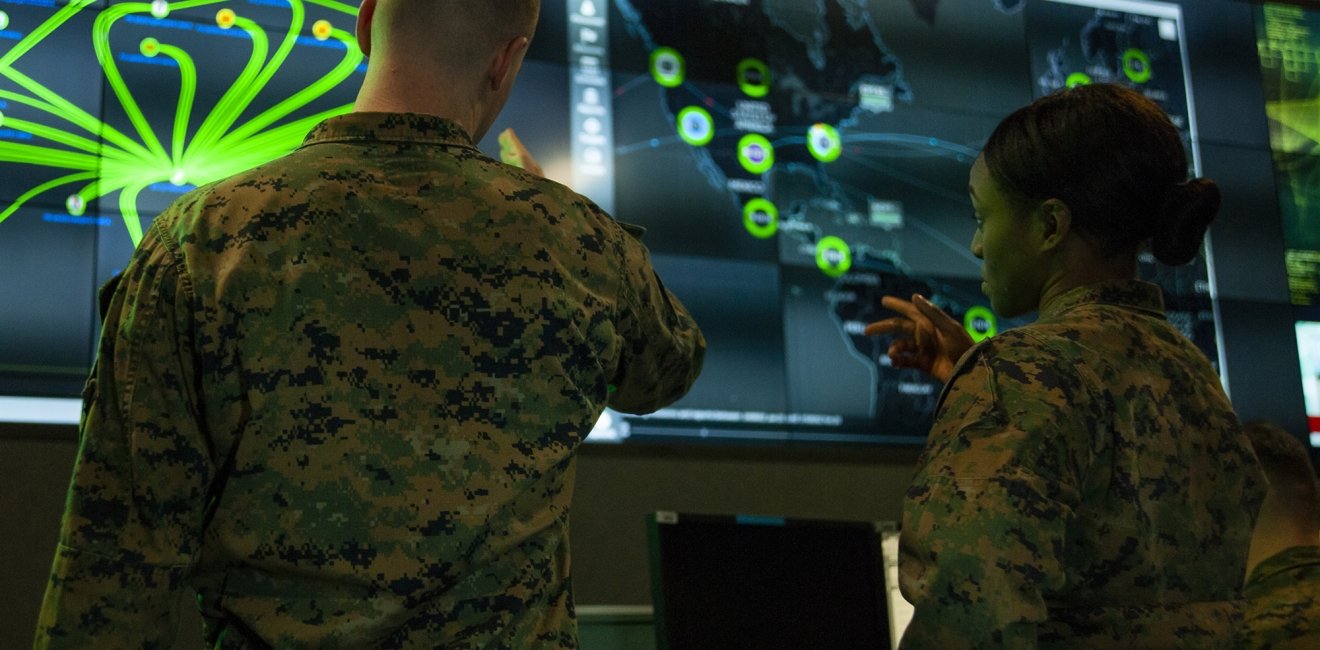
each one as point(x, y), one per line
point(1282, 601)
point(340, 396)
point(1081, 470)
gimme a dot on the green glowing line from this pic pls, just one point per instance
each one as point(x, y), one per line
point(44, 187)
point(62, 108)
point(232, 104)
point(337, 6)
point(101, 43)
point(35, 155)
point(187, 91)
point(62, 137)
point(42, 31)
point(129, 212)
point(273, 66)
point(352, 58)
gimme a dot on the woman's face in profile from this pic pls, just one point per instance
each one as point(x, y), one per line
point(1010, 274)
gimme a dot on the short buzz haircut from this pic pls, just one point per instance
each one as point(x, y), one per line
point(1287, 465)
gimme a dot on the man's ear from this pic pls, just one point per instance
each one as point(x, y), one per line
point(1055, 221)
point(502, 64)
point(366, 14)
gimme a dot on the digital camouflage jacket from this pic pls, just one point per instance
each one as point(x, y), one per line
point(339, 396)
point(1083, 464)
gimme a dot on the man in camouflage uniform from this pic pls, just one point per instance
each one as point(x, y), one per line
point(339, 395)
point(1282, 592)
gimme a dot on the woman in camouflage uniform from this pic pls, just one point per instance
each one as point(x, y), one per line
point(1086, 481)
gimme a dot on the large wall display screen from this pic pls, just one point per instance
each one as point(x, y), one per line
point(792, 160)
point(1288, 43)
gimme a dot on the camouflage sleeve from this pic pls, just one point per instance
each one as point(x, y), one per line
point(663, 348)
point(985, 518)
point(139, 487)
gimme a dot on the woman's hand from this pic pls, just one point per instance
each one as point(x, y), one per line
point(926, 338)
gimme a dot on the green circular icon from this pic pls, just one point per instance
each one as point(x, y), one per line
point(75, 205)
point(761, 218)
point(4, 20)
point(754, 77)
point(756, 153)
point(824, 143)
point(833, 256)
point(1136, 65)
point(1078, 79)
point(695, 126)
point(980, 323)
point(667, 67)
point(149, 47)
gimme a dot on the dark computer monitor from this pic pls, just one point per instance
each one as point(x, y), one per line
point(738, 581)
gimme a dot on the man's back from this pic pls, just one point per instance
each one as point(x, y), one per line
point(391, 345)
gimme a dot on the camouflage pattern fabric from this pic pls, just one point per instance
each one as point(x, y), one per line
point(340, 395)
point(1087, 461)
point(1282, 601)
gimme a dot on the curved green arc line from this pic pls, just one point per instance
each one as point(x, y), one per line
point(101, 44)
point(44, 187)
point(352, 57)
point(229, 108)
point(62, 108)
point(187, 93)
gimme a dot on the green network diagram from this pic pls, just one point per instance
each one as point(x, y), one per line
point(101, 160)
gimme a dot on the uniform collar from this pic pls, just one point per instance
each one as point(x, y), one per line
point(390, 127)
point(1132, 294)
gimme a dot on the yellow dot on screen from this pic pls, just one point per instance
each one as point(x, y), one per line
point(225, 18)
point(321, 30)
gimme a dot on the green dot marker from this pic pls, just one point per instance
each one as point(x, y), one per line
point(695, 126)
point(761, 218)
point(1078, 79)
point(754, 77)
point(824, 143)
point(149, 47)
point(980, 323)
point(4, 20)
point(1136, 65)
point(75, 205)
point(833, 256)
point(756, 154)
point(667, 67)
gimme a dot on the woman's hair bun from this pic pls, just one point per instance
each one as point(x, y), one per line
point(1187, 212)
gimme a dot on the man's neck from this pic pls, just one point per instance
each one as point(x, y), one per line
point(391, 88)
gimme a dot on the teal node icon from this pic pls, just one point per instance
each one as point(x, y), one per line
point(695, 126)
point(754, 77)
point(756, 154)
point(980, 323)
point(761, 218)
point(4, 20)
point(1078, 79)
point(1136, 65)
point(833, 256)
point(667, 67)
point(75, 205)
point(824, 143)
